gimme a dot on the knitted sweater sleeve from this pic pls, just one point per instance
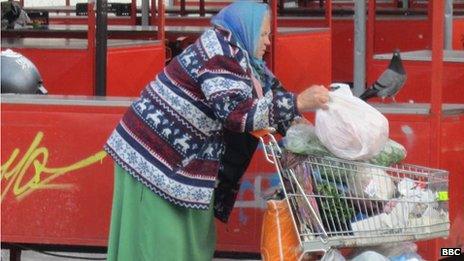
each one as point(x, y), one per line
point(278, 89)
point(231, 95)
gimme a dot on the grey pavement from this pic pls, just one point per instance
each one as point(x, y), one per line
point(27, 255)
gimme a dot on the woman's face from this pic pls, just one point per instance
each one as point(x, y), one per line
point(264, 38)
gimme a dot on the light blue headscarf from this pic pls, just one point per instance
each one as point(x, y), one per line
point(244, 20)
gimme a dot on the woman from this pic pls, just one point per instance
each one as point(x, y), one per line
point(169, 146)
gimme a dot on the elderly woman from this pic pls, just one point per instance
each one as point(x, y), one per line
point(190, 126)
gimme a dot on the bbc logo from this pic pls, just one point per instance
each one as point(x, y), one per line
point(450, 251)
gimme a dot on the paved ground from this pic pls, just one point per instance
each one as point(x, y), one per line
point(34, 256)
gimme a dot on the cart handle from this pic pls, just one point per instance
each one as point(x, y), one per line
point(271, 147)
point(263, 132)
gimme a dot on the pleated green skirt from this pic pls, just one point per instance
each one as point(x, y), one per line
point(145, 226)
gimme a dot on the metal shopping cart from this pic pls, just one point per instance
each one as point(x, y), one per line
point(338, 203)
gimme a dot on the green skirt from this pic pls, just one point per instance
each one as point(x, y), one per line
point(145, 226)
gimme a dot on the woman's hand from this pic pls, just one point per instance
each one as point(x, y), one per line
point(314, 97)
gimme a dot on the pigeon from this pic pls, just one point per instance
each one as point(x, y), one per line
point(390, 81)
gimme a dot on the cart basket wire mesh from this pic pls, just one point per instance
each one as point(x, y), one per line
point(340, 203)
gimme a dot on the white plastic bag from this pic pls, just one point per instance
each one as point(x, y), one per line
point(351, 129)
point(369, 256)
point(373, 183)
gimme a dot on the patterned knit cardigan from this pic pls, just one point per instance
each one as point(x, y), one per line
point(170, 138)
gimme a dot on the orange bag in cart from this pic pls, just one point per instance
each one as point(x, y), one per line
point(279, 240)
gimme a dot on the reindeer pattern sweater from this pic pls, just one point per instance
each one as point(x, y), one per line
point(170, 138)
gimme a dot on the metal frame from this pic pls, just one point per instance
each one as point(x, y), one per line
point(315, 236)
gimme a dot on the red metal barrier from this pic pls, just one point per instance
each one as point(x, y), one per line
point(130, 69)
point(57, 188)
point(64, 71)
point(297, 63)
point(458, 33)
point(56, 181)
point(417, 86)
point(57, 184)
point(67, 71)
point(407, 34)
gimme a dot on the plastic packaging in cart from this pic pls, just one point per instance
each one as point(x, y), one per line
point(392, 153)
point(351, 128)
point(403, 251)
point(304, 178)
point(373, 183)
point(369, 256)
point(301, 138)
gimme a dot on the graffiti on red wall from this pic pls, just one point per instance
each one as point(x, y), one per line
point(26, 174)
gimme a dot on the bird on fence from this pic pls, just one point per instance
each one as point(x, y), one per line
point(390, 81)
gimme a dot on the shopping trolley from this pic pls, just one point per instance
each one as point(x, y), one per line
point(339, 203)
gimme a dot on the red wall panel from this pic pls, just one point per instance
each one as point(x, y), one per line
point(64, 71)
point(458, 33)
point(418, 84)
point(303, 59)
point(452, 158)
point(64, 184)
point(406, 33)
point(129, 70)
point(57, 185)
point(68, 71)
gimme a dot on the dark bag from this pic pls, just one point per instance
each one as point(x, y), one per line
point(239, 151)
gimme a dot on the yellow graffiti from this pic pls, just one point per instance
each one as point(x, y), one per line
point(13, 175)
